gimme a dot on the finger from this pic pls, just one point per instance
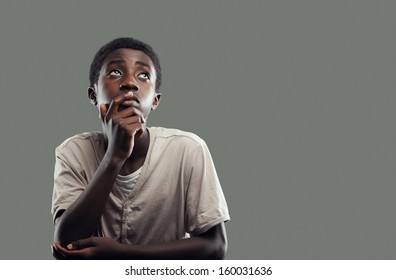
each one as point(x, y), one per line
point(130, 120)
point(66, 254)
point(102, 111)
point(140, 133)
point(113, 109)
point(81, 244)
point(56, 254)
point(131, 112)
point(136, 129)
point(58, 251)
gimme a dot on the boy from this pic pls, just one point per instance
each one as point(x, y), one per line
point(135, 192)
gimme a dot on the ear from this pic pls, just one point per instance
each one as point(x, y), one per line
point(92, 96)
point(156, 101)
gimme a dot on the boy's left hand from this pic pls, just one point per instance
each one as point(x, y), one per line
point(89, 248)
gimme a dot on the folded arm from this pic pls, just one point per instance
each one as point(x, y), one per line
point(120, 127)
point(211, 244)
point(81, 218)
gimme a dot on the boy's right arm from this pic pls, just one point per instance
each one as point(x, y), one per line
point(81, 218)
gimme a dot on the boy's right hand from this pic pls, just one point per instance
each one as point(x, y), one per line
point(121, 127)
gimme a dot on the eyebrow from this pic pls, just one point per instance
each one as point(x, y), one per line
point(121, 61)
point(142, 63)
point(117, 61)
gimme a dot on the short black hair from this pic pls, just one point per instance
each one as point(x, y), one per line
point(123, 43)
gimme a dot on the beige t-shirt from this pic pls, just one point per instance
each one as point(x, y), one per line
point(177, 193)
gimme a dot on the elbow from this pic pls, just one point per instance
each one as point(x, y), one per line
point(219, 247)
point(59, 232)
point(220, 251)
point(65, 237)
point(222, 243)
point(62, 234)
point(218, 242)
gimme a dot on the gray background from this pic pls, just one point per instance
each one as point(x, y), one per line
point(295, 100)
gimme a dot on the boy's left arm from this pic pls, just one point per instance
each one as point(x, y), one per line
point(211, 244)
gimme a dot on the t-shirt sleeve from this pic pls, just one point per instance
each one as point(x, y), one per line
point(206, 205)
point(69, 183)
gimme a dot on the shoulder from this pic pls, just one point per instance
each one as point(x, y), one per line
point(80, 143)
point(176, 137)
point(176, 149)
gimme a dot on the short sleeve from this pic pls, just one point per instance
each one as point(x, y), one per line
point(205, 202)
point(69, 183)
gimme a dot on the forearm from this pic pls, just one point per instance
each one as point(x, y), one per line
point(81, 218)
point(210, 245)
point(191, 248)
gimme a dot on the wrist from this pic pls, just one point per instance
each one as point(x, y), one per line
point(128, 251)
point(114, 160)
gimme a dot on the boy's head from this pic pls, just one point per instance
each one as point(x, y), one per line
point(123, 43)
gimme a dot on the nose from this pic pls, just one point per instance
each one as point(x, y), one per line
point(129, 84)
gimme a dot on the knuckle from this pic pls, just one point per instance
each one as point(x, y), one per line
point(135, 111)
point(137, 129)
point(119, 99)
point(116, 120)
point(130, 111)
point(121, 123)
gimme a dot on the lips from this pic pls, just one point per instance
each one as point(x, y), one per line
point(132, 101)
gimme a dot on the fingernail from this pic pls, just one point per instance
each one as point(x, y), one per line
point(70, 246)
point(129, 94)
point(143, 120)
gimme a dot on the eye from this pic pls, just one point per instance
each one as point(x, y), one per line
point(144, 75)
point(115, 73)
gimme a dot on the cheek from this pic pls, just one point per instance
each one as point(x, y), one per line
point(103, 99)
point(105, 94)
point(148, 102)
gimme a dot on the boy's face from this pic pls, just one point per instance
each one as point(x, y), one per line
point(126, 70)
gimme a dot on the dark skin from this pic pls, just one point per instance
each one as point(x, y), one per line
point(124, 95)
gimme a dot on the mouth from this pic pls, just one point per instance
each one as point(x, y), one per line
point(133, 101)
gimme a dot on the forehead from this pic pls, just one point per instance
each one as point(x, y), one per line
point(129, 56)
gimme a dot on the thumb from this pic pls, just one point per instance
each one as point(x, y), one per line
point(81, 244)
point(102, 111)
